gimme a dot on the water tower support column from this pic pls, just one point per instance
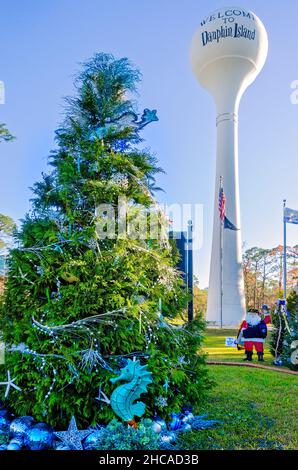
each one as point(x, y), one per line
point(233, 304)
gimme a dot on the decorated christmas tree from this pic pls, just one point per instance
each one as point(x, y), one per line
point(278, 333)
point(87, 292)
point(290, 342)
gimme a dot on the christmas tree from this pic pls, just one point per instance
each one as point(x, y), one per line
point(278, 332)
point(83, 296)
point(290, 342)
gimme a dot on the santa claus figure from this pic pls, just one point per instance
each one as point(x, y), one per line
point(253, 332)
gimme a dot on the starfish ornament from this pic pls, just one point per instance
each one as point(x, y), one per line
point(10, 383)
point(72, 438)
point(102, 396)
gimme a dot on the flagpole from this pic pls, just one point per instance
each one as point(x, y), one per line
point(221, 259)
point(285, 250)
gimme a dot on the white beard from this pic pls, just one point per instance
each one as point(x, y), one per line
point(253, 320)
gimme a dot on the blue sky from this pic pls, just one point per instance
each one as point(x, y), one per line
point(41, 46)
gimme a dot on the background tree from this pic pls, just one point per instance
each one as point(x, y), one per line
point(200, 297)
point(7, 226)
point(263, 274)
point(77, 305)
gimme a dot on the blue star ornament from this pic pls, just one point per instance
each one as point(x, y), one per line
point(72, 438)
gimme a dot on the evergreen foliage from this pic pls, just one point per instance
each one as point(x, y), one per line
point(77, 305)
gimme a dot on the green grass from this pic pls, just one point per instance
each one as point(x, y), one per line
point(258, 409)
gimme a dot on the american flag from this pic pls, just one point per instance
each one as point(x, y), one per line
point(222, 204)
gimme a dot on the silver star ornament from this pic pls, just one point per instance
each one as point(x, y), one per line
point(72, 438)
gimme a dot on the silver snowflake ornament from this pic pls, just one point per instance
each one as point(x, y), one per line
point(161, 402)
point(72, 438)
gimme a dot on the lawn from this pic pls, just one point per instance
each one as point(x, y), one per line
point(258, 409)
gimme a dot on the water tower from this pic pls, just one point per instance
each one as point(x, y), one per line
point(227, 53)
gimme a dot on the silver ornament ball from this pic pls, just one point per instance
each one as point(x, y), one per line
point(156, 427)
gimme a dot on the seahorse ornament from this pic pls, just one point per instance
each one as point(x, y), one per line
point(123, 397)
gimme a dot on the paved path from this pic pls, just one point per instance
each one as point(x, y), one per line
point(255, 366)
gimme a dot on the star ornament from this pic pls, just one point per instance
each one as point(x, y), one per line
point(10, 383)
point(73, 438)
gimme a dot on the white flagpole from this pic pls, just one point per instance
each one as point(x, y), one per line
point(285, 251)
point(221, 260)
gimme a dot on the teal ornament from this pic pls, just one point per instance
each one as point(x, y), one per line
point(15, 444)
point(39, 437)
point(73, 438)
point(123, 397)
point(19, 427)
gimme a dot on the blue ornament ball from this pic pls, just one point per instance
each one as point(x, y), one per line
point(92, 441)
point(5, 419)
point(15, 444)
point(19, 427)
point(39, 437)
point(3, 447)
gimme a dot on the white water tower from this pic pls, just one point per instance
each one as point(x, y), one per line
point(227, 53)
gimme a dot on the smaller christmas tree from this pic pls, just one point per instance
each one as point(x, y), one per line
point(290, 342)
point(278, 332)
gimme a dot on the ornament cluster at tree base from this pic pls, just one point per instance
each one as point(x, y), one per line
point(23, 433)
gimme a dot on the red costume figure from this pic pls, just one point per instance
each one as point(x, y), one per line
point(254, 331)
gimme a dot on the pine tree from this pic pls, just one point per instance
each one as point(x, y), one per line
point(77, 305)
